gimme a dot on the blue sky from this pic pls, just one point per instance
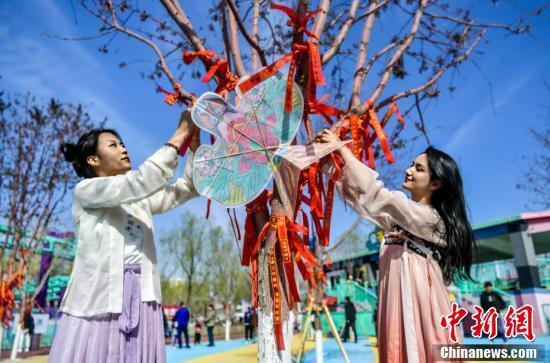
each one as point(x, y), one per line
point(488, 142)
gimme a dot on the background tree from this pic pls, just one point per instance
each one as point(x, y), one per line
point(34, 177)
point(229, 281)
point(185, 250)
point(205, 255)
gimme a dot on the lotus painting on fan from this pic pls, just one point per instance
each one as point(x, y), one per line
point(253, 143)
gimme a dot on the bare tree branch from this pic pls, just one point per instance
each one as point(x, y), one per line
point(253, 43)
point(370, 11)
point(321, 19)
point(161, 60)
point(86, 37)
point(422, 123)
point(335, 47)
point(434, 78)
point(56, 262)
point(255, 32)
point(363, 47)
point(180, 17)
point(235, 46)
point(344, 236)
point(471, 23)
point(225, 32)
point(377, 56)
point(400, 51)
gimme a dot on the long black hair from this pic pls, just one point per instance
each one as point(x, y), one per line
point(86, 146)
point(448, 200)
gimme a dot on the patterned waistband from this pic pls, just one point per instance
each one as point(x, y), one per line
point(413, 247)
point(133, 267)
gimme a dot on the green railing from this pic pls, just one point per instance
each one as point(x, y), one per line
point(46, 339)
point(362, 297)
point(55, 285)
point(357, 293)
point(502, 274)
point(544, 271)
point(363, 324)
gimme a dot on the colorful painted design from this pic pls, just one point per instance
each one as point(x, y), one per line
point(252, 144)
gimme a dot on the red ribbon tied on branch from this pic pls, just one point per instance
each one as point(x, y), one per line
point(173, 97)
point(360, 126)
point(216, 67)
point(315, 72)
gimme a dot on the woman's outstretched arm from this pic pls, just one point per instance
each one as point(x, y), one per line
point(110, 191)
point(360, 187)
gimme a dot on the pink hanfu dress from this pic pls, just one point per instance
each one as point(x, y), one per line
point(411, 290)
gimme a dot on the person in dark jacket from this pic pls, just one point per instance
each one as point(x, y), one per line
point(248, 323)
point(210, 322)
point(182, 318)
point(350, 319)
point(492, 299)
point(28, 329)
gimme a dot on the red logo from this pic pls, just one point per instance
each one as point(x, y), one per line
point(452, 320)
point(484, 322)
point(517, 322)
point(520, 321)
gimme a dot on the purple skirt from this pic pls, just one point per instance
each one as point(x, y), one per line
point(136, 335)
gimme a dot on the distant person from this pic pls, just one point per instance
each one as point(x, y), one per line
point(52, 310)
point(182, 318)
point(198, 331)
point(28, 329)
point(248, 324)
point(350, 319)
point(492, 299)
point(210, 322)
point(165, 325)
point(174, 333)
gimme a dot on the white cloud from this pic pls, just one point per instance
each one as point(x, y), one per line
point(475, 120)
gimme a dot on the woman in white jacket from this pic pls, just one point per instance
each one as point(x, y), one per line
point(111, 309)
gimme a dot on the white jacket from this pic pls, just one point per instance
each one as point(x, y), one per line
point(99, 212)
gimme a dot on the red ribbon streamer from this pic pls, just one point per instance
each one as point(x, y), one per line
point(216, 67)
point(314, 60)
point(173, 97)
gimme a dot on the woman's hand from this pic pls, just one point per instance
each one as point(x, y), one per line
point(186, 128)
point(327, 136)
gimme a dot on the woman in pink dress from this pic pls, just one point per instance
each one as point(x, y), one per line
point(428, 242)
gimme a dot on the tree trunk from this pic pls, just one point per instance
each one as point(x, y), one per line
point(318, 341)
point(16, 339)
point(189, 291)
point(227, 313)
point(227, 329)
point(267, 347)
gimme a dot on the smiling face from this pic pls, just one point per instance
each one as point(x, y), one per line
point(418, 180)
point(111, 157)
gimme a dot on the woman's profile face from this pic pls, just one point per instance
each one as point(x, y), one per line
point(418, 177)
point(111, 156)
